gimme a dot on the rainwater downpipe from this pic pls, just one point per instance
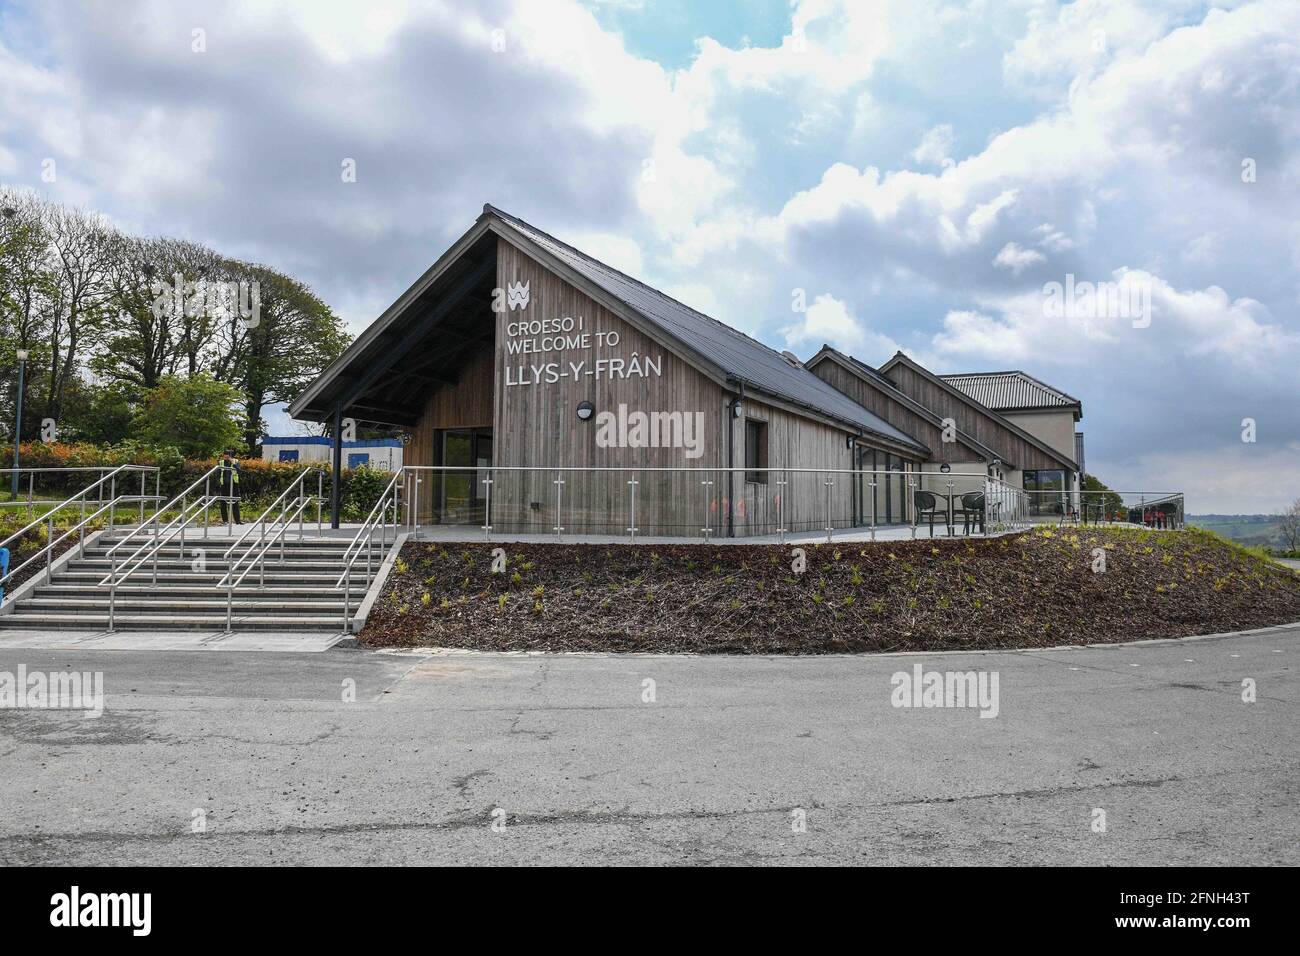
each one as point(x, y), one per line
point(737, 402)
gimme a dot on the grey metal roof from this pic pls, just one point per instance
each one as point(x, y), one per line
point(1001, 391)
point(737, 355)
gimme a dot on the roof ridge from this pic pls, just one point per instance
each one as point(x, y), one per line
point(1012, 372)
point(630, 278)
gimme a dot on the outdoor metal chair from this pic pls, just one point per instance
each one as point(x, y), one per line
point(972, 511)
point(927, 503)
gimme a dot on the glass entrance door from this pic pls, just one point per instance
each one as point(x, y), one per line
point(461, 499)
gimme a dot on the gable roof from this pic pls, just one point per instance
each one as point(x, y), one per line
point(901, 359)
point(864, 371)
point(736, 356)
point(1012, 391)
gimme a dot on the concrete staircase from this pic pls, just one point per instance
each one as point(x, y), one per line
point(298, 594)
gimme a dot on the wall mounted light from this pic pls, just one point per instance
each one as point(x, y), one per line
point(945, 468)
point(737, 409)
point(585, 411)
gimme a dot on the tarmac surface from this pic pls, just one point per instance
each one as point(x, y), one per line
point(358, 757)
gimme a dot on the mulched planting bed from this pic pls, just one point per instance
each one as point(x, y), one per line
point(1036, 589)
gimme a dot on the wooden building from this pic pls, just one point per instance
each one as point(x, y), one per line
point(558, 392)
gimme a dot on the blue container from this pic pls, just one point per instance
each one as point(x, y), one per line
point(4, 569)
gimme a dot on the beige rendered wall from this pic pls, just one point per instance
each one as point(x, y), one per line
point(1055, 429)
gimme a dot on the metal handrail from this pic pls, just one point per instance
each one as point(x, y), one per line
point(274, 529)
point(167, 507)
point(281, 512)
point(80, 495)
point(374, 519)
point(189, 514)
point(378, 518)
point(371, 516)
point(52, 541)
point(200, 506)
point(230, 582)
point(271, 507)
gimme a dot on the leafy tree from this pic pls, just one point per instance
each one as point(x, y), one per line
point(108, 416)
point(137, 341)
point(1095, 493)
point(28, 284)
point(198, 415)
point(272, 355)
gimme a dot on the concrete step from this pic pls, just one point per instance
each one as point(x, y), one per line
point(19, 620)
point(215, 564)
point(325, 544)
point(171, 576)
point(162, 605)
point(182, 591)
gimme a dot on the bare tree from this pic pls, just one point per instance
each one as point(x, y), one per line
point(81, 251)
point(1289, 526)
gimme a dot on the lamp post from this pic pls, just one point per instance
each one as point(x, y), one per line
point(18, 415)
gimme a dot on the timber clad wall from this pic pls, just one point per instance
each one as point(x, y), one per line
point(536, 422)
point(793, 442)
point(465, 403)
point(527, 386)
point(897, 414)
point(978, 426)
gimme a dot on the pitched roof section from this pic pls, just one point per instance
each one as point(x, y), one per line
point(735, 354)
point(942, 382)
point(894, 393)
point(1010, 391)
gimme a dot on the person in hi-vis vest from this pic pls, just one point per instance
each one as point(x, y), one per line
point(229, 485)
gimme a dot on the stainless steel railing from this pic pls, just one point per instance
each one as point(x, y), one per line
point(732, 502)
point(31, 502)
point(82, 499)
point(189, 513)
point(364, 540)
point(282, 512)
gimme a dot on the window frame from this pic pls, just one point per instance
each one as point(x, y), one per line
point(756, 457)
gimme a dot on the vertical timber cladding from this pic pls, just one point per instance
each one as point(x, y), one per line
point(794, 442)
point(464, 403)
point(561, 349)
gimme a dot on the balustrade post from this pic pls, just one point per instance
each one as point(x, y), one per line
point(559, 496)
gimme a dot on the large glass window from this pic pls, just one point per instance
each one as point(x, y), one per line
point(1047, 492)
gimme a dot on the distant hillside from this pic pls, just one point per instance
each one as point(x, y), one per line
point(1253, 530)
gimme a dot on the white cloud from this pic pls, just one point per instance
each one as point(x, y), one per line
point(935, 148)
point(1191, 323)
point(827, 320)
point(1017, 258)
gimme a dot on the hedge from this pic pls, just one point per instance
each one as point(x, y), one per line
point(260, 481)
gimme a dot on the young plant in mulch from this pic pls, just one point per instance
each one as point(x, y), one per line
point(1042, 588)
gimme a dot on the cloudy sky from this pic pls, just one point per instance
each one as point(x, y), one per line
point(921, 170)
